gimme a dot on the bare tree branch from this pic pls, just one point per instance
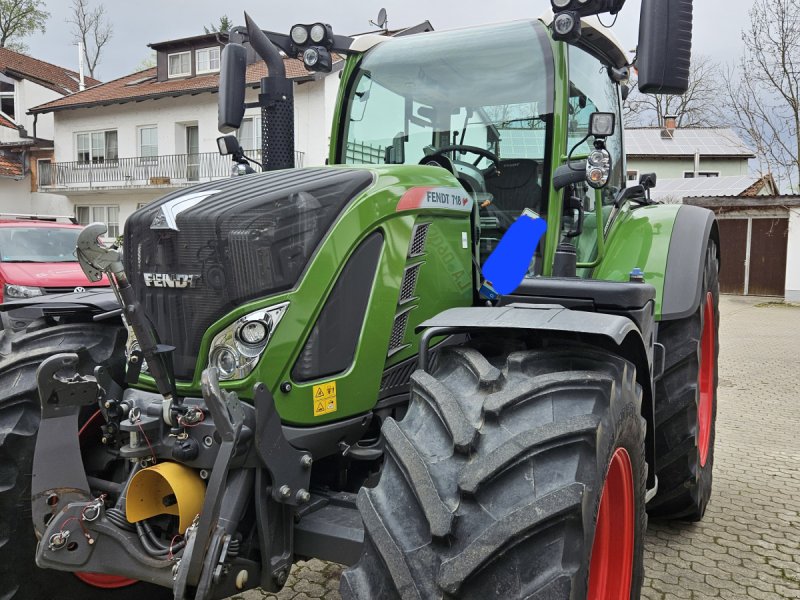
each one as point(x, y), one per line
point(764, 96)
point(91, 28)
point(698, 107)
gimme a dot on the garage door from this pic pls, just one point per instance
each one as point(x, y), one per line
point(733, 242)
point(768, 245)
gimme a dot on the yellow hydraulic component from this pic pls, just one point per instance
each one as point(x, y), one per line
point(166, 488)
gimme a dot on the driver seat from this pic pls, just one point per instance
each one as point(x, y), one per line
point(517, 187)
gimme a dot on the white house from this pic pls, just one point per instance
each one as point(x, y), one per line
point(694, 161)
point(26, 139)
point(123, 143)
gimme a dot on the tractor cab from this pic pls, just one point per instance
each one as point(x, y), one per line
point(481, 102)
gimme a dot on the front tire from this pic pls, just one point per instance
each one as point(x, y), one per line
point(686, 405)
point(21, 353)
point(493, 482)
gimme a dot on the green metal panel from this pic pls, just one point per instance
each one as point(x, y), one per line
point(445, 281)
point(559, 148)
point(640, 238)
point(349, 68)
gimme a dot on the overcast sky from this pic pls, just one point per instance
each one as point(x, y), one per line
point(718, 23)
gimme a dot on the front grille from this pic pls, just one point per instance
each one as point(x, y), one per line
point(409, 284)
point(418, 238)
point(71, 288)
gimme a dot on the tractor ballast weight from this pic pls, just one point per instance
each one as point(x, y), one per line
point(308, 362)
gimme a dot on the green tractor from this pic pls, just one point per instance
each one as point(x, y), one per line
point(310, 362)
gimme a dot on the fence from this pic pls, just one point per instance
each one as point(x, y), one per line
point(164, 170)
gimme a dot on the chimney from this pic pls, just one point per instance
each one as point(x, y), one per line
point(670, 125)
point(81, 84)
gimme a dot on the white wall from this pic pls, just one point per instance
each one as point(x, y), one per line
point(30, 94)
point(793, 257)
point(15, 195)
point(675, 168)
point(170, 115)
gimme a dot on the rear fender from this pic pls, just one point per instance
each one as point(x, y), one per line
point(613, 333)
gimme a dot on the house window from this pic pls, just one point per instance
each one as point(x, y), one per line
point(249, 134)
point(690, 174)
point(207, 60)
point(97, 147)
point(7, 97)
point(180, 64)
point(148, 143)
point(100, 214)
point(633, 176)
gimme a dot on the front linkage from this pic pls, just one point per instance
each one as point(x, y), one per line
point(204, 460)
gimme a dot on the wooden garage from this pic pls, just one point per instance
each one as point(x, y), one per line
point(755, 243)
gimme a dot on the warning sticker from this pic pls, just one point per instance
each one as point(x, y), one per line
point(324, 398)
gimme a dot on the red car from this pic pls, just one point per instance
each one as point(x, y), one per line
point(37, 257)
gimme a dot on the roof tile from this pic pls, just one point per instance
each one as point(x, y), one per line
point(10, 166)
point(143, 85)
point(56, 78)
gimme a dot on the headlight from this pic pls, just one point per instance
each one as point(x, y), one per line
point(236, 350)
point(318, 33)
point(598, 168)
point(299, 34)
point(21, 291)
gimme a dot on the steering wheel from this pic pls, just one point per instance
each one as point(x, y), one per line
point(481, 152)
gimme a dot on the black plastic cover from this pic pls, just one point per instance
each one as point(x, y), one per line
point(331, 345)
point(665, 46)
point(250, 237)
point(602, 294)
point(231, 87)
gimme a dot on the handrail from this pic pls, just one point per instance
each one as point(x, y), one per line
point(166, 170)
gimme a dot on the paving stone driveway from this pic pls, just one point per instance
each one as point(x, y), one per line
point(748, 545)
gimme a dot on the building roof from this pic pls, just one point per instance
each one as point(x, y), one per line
point(10, 166)
point(4, 122)
point(710, 142)
point(144, 85)
point(677, 189)
point(58, 79)
point(760, 202)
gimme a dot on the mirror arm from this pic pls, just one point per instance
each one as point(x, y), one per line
point(265, 49)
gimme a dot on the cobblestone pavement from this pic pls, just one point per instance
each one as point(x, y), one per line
point(748, 545)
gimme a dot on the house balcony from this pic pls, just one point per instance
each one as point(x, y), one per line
point(138, 173)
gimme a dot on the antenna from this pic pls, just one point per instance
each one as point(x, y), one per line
point(382, 21)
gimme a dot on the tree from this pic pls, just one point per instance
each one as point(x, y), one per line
point(91, 28)
point(764, 94)
point(19, 19)
point(698, 107)
point(225, 25)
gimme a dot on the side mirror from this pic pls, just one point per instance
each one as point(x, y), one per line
point(665, 46)
point(233, 71)
point(648, 181)
point(228, 145)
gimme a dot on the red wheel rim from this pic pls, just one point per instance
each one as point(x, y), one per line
point(99, 580)
point(611, 568)
point(107, 582)
point(705, 406)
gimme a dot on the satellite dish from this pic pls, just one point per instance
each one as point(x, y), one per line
point(381, 17)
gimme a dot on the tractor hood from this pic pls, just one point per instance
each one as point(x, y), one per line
point(195, 254)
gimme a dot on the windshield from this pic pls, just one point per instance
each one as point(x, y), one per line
point(490, 87)
point(38, 244)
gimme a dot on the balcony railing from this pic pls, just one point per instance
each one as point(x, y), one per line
point(175, 170)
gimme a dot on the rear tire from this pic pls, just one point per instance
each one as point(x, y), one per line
point(492, 482)
point(686, 405)
point(21, 353)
